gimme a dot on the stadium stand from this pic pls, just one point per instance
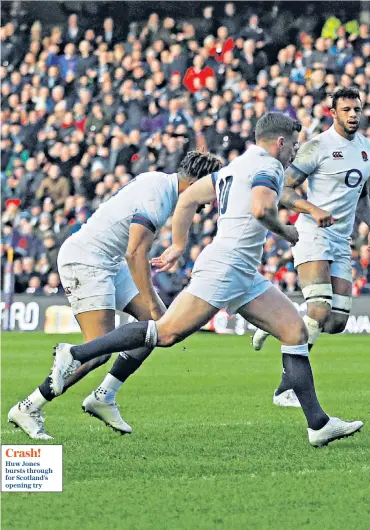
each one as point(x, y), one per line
point(87, 105)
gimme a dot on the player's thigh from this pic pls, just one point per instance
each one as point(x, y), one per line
point(126, 291)
point(95, 324)
point(91, 294)
point(314, 272)
point(273, 312)
point(186, 314)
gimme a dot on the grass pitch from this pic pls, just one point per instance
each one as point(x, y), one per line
point(208, 451)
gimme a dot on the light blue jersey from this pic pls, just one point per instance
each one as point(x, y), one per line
point(149, 200)
point(240, 237)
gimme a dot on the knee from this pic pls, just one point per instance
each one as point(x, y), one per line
point(336, 324)
point(319, 311)
point(167, 337)
point(296, 333)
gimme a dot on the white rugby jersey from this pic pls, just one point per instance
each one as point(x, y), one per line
point(337, 171)
point(149, 200)
point(240, 237)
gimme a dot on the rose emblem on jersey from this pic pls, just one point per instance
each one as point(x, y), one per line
point(364, 156)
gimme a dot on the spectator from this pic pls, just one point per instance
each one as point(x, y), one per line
point(55, 186)
point(53, 285)
point(61, 228)
point(67, 63)
point(51, 249)
point(73, 32)
point(75, 127)
point(34, 286)
point(86, 61)
point(254, 32)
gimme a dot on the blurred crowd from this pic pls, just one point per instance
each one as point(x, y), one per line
point(86, 108)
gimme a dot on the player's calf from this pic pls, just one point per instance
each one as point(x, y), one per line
point(337, 321)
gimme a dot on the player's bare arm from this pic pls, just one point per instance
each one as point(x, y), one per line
point(363, 207)
point(293, 179)
point(264, 209)
point(202, 192)
point(139, 245)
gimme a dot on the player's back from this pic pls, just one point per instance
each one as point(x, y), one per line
point(337, 170)
point(149, 199)
point(240, 237)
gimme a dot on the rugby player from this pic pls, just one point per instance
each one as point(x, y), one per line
point(225, 274)
point(104, 267)
point(336, 165)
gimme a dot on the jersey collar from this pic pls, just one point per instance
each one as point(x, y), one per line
point(262, 152)
point(339, 139)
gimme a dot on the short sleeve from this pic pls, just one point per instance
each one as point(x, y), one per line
point(149, 213)
point(271, 176)
point(308, 157)
point(214, 177)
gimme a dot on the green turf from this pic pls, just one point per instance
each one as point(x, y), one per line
point(209, 451)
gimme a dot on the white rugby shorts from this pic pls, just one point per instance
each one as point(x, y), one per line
point(225, 286)
point(90, 288)
point(319, 245)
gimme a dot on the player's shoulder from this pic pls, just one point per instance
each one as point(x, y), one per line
point(152, 176)
point(257, 159)
point(157, 179)
point(362, 140)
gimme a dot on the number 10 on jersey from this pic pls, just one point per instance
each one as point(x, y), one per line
point(224, 187)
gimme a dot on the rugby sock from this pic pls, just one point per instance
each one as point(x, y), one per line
point(45, 390)
point(108, 389)
point(34, 400)
point(298, 369)
point(285, 384)
point(124, 366)
point(126, 337)
point(313, 332)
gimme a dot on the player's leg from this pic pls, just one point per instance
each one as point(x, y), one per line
point(274, 312)
point(187, 314)
point(101, 403)
point(95, 315)
point(341, 279)
point(342, 303)
point(27, 413)
point(317, 290)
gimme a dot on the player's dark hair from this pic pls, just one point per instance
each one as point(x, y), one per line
point(274, 124)
point(197, 164)
point(344, 93)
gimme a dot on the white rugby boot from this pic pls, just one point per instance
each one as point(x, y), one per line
point(288, 398)
point(335, 429)
point(64, 366)
point(106, 412)
point(29, 420)
point(258, 339)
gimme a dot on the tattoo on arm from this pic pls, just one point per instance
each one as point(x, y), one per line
point(292, 180)
point(363, 206)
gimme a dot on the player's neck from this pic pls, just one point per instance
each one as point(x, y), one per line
point(339, 130)
point(183, 184)
point(270, 147)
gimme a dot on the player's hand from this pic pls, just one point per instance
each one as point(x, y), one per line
point(168, 259)
point(291, 235)
point(322, 218)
